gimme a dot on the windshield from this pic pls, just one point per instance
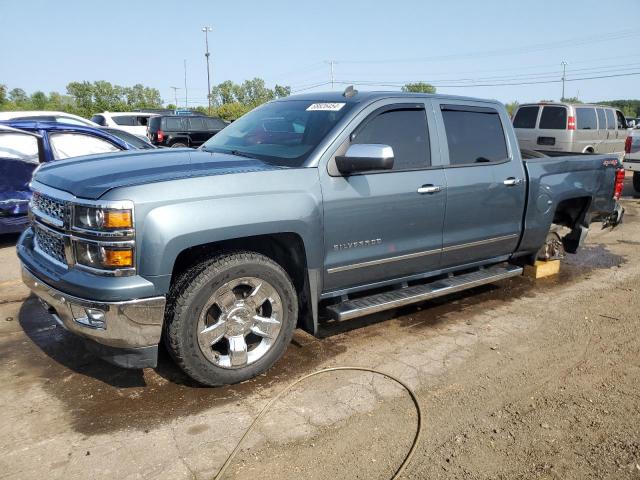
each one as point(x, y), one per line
point(131, 139)
point(284, 132)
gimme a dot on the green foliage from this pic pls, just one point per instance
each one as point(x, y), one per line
point(419, 87)
point(572, 100)
point(18, 96)
point(83, 98)
point(233, 100)
point(630, 108)
point(511, 107)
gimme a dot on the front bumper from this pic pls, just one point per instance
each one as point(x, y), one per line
point(125, 333)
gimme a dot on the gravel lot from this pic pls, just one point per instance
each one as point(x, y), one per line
point(524, 379)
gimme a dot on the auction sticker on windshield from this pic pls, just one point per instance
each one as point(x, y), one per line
point(325, 107)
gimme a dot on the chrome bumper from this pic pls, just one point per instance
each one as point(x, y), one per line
point(129, 324)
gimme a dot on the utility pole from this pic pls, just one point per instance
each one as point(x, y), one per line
point(206, 31)
point(564, 71)
point(331, 64)
point(186, 101)
point(175, 95)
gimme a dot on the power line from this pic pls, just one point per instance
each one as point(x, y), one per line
point(351, 82)
point(509, 51)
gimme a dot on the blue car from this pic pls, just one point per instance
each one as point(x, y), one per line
point(25, 144)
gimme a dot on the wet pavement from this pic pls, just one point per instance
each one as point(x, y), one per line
point(66, 413)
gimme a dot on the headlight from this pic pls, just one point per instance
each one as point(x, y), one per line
point(93, 218)
point(103, 257)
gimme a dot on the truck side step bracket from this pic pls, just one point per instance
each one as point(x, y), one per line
point(359, 307)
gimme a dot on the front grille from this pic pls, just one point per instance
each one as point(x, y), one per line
point(49, 206)
point(50, 244)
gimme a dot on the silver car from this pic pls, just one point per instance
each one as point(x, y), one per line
point(566, 127)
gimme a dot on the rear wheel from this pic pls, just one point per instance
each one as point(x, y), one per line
point(229, 319)
point(636, 181)
point(179, 145)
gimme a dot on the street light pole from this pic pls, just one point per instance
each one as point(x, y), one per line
point(206, 31)
point(564, 71)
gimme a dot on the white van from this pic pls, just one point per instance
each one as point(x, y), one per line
point(132, 122)
point(566, 127)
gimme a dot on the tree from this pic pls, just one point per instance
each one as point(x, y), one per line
point(3, 94)
point(572, 100)
point(39, 100)
point(281, 91)
point(18, 96)
point(82, 94)
point(419, 87)
point(233, 100)
point(511, 107)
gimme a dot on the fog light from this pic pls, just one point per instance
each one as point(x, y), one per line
point(89, 317)
point(95, 317)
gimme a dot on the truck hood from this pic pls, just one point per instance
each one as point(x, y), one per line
point(92, 176)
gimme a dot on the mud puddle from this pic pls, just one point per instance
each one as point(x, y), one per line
point(101, 398)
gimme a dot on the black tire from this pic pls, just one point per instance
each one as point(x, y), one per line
point(190, 293)
point(636, 181)
point(179, 145)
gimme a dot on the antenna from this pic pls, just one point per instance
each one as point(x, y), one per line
point(186, 101)
point(349, 92)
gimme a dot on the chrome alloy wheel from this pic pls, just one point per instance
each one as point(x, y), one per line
point(240, 322)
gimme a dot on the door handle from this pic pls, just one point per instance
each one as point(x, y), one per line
point(430, 189)
point(512, 181)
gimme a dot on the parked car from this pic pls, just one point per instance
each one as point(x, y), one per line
point(136, 141)
point(132, 122)
point(632, 158)
point(46, 116)
point(183, 130)
point(26, 144)
point(346, 205)
point(565, 127)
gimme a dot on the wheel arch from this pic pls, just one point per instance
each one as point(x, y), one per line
point(286, 249)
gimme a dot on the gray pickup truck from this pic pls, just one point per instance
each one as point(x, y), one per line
point(314, 206)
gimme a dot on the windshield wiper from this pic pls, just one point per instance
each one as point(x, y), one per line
point(238, 153)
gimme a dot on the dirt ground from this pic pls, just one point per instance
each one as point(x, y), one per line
point(524, 379)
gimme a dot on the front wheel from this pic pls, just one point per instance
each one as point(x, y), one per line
point(636, 181)
point(230, 318)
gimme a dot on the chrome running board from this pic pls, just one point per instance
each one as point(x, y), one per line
point(359, 307)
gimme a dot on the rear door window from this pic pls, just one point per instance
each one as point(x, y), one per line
point(474, 135)
point(67, 145)
point(553, 118)
point(403, 129)
point(174, 124)
point(602, 121)
point(622, 121)
point(196, 123)
point(215, 124)
point(526, 117)
point(125, 120)
point(611, 121)
point(19, 146)
point(586, 119)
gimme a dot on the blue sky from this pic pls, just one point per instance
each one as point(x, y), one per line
point(46, 44)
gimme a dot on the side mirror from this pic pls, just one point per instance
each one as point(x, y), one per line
point(365, 157)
